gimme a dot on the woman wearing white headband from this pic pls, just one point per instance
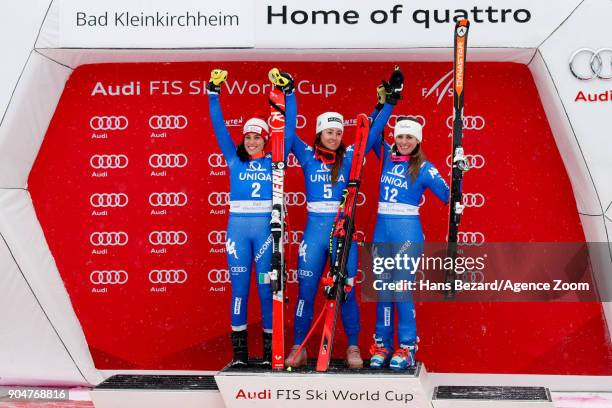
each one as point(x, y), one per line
point(405, 177)
point(326, 170)
point(248, 227)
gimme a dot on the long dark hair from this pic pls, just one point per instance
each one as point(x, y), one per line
point(335, 170)
point(242, 153)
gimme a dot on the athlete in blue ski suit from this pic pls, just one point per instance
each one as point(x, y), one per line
point(323, 199)
point(398, 230)
point(248, 229)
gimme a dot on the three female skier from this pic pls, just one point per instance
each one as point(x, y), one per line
point(326, 165)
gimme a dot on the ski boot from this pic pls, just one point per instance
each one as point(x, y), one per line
point(241, 351)
point(267, 350)
point(380, 354)
point(299, 361)
point(353, 357)
point(403, 358)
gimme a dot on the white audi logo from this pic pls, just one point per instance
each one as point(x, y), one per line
point(108, 200)
point(594, 64)
point(217, 237)
point(393, 119)
point(108, 123)
point(168, 122)
point(469, 122)
point(472, 276)
point(295, 198)
point(293, 276)
point(168, 238)
point(108, 277)
point(473, 199)
point(218, 276)
point(108, 161)
point(113, 238)
point(167, 276)
point(218, 199)
point(470, 238)
point(292, 161)
point(216, 160)
point(475, 161)
point(360, 276)
point(168, 160)
point(168, 199)
point(293, 237)
point(361, 198)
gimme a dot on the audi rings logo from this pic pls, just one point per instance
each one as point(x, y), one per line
point(475, 161)
point(469, 122)
point(108, 161)
point(168, 199)
point(218, 199)
point(294, 237)
point(361, 198)
point(218, 276)
point(295, 198)
point(118, 238)
point(168, 238)
point(360, 277)
point(158, 276)
point(393, 119)
point(216, 160)
point(168, 160)
point(108, 123)
point(292, 161)
point(108, 277)
point(293, 276)
point(168, 122)
point(473, 199)
point(217, 237)
point(108, 200)
point(470, 238)
point(587, 63)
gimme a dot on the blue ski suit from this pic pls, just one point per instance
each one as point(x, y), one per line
point(248, 228)
point(398, 230)
point(323, 199)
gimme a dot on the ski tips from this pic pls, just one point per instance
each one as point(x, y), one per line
point(462, 27)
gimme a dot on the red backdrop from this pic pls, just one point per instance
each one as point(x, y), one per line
point(136, 130)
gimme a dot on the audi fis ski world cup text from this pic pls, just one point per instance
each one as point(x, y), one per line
point(198, 87)
point(325, 395)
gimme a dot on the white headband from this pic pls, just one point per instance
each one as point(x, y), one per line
point(329, 120)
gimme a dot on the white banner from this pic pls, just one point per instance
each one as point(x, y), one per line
point(313, 24)
point(156, 24)
point(393, 23)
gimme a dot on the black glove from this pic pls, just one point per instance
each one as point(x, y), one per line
point(282, 80)
point(394, 87)
point(217, 78)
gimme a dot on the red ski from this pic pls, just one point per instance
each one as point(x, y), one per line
point(344, 228)
point(277, 225)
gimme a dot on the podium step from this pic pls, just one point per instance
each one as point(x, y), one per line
point(336, 366)
point(488, 396)
point(339, 387)
point(166, 382)
point(157, 391)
